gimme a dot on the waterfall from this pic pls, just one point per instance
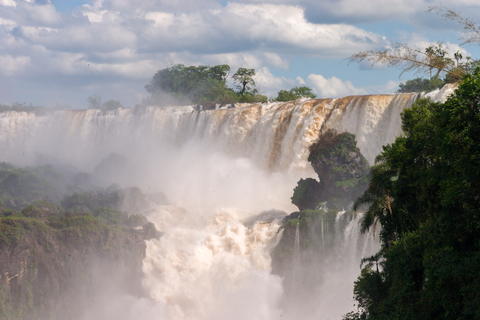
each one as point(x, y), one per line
point(275, 136)
point(229, 176)
point(296, 255)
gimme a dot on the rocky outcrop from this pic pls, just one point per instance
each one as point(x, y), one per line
point(341, 168)
point(309, 245)
point(57, 266)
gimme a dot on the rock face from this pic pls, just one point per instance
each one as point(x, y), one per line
point(341, 168)
point(56, 266)
point(309, 247)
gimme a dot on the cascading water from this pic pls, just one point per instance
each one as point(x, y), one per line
point(296, 255)
point(221, 170)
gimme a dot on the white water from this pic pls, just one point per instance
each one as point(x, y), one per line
point(220, 169)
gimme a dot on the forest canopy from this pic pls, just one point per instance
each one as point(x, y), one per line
point(181, 85)
point(424, 192)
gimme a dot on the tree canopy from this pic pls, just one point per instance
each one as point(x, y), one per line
point(95, 102)
point(244, 81)
point(183, 85)
point(295, 93)
point(193, 84)
point(420, 85)
point(424, 192)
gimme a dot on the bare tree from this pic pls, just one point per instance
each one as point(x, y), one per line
point(423, 60)
point(471, 35)
point(408, 58)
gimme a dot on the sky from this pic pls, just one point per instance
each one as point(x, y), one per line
point(60, 52)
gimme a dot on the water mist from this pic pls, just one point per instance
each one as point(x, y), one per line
point(229, 176)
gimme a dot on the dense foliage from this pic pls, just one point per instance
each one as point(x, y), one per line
point(244, 81)
point(181, 85)
point(44, 191)
point(425, 194)
point(64, 240)
point(295, 93)
point(420, 85)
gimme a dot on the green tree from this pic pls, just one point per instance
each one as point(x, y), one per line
point(243, 80)
point(179, 84)
point(295, 93)
point(420, 85)
point(424, 192)
point(111, 105)
point(95, 101)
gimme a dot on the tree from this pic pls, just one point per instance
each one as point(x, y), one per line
point(424, 192)
point(111, 105)
point(420, 85)
point(295, 93)
point(95, 101)
point(243, 80)
point(407, 58)
point(179, 84)
point(471, 35)
point(423, 61)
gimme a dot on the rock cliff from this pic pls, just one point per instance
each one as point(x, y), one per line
point(58, 266)
point(309, 247)
point(341, 168)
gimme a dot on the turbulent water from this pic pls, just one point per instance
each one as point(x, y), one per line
point(229, 175)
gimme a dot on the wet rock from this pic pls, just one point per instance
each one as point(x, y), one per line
point(341, 168)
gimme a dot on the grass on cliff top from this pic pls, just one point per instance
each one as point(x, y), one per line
point(17, 227)
point(332, 143)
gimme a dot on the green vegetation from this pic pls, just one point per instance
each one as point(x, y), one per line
point(342, 169)
point(19, 187)
point(181, 85)
point(42, 192)
point(424, 192)
point(307, 194)
point(57, 248)
point(64, 259)
point(244, 81)
point(95, 102)
point(295, 93)
point(185, 85)
point(420, 85)
point(343, 175)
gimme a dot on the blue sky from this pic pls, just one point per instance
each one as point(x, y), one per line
point(61, 52)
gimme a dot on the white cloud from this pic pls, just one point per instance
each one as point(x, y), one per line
point(110, 41)
point(8, 3)
point(269, 84)
point(7, 22)
point(332, 87)
point(390, 87)
point(274, 60)
point(116, 37)
point(234, 28)
point(451, 48)
point(11, 65)
point(371, 11)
